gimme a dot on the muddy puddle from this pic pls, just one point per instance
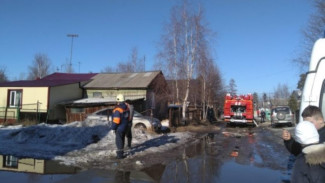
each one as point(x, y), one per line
point(224, 157)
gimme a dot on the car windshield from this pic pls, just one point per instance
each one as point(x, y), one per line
point(282, 109)
point(108, 112)
point(137, 114)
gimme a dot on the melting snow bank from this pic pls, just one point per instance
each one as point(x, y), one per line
point(81, 143)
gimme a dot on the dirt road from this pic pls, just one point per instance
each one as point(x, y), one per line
point(211, 153)
point(195, 153)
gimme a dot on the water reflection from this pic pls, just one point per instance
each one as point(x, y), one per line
point(287, 176)
point(121, 176)
point(206, 160)
point(211, 160)
point(31, 165)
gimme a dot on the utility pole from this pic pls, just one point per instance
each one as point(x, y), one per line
point(72, 36)
point(144, 63)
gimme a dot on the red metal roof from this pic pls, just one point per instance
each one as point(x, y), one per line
point(55, 79)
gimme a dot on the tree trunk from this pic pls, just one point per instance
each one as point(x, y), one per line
point(175, 66)
point(204, 111)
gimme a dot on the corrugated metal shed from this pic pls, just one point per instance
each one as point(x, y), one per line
point(122, 80)
point(89, 101)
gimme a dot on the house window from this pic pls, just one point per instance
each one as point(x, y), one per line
point(10, 162)
point(77, 110)
point(15, 98)
point(97, 95)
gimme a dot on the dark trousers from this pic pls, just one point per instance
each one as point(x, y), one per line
point(119, 140)
point(129, 134)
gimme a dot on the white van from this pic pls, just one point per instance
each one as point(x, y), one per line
point(314, 88)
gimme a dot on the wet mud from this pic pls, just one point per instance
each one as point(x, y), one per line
point(208, 156)
point(217, 153)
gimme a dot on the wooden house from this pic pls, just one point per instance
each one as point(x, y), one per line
point(147, 90)
point(39, 99)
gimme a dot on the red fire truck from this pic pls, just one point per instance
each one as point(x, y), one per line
point(239, 109)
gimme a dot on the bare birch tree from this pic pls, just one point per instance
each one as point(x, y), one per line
point(125, 67)
point(134, 63)
point(211, 81)
point(232, 87)
point(313, 31)
point(256, 100)
point(211, 87)
point(169, 56)
point(185, 50)
point(138, 63)
point(69, 67)
point(281, 95)
point(107, 69)
point(3, 76)
point(190, 57)
point(40, 67)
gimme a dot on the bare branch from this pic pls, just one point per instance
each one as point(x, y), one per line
point(40, 66)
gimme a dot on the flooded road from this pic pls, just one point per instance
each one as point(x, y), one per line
point(233, 154)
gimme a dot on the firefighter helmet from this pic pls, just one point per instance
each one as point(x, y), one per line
point(120, 98)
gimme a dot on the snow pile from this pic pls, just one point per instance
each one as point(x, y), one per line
point(79, 142)
point(47, 141)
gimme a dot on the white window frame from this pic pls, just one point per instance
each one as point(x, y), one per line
point(15, 98)
point(98, 95)
point(10, 161)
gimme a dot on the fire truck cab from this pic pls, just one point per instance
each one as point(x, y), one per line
point(239, 109)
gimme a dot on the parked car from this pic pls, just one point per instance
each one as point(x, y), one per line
point(281, 115)
point(139, 121)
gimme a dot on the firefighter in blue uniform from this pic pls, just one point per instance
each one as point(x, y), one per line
point(119, 125)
